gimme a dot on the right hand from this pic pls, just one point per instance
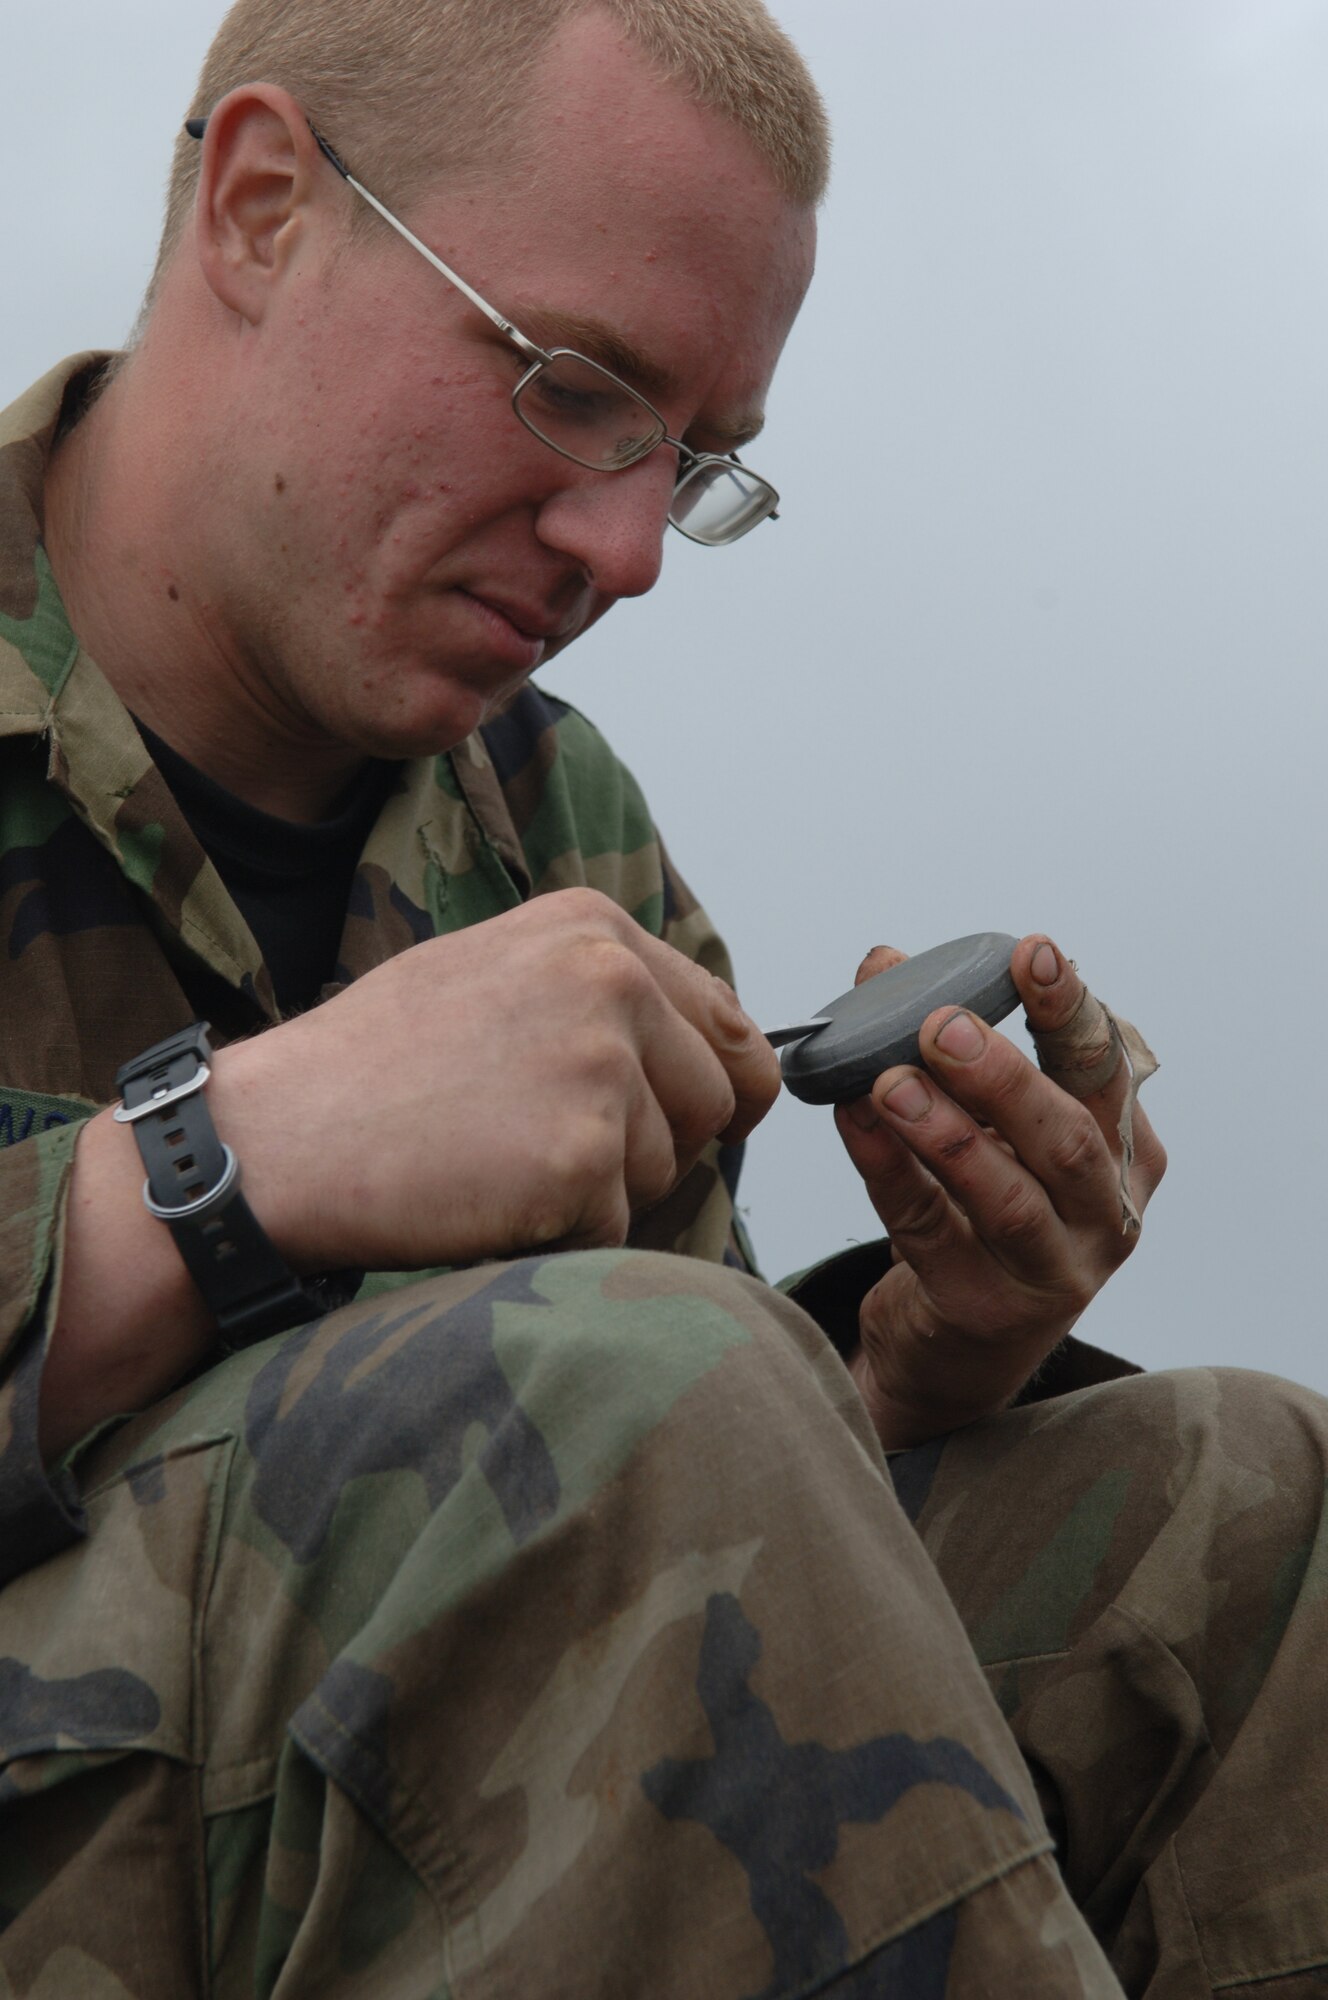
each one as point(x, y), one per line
point(527, 1082)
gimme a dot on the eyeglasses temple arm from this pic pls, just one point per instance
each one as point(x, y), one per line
point(196, 127)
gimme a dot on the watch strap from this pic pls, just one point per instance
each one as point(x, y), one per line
point(193, 1186)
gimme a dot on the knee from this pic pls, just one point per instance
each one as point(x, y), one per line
point(1256, 1437)
point(1264, 1442)
point(614, 1341)
point(525, 1369)
point(1214, 1480)
point(1163, 1494)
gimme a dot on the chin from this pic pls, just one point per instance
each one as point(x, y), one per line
point(435, 727)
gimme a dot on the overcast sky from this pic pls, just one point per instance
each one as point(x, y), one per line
point(1040, 638)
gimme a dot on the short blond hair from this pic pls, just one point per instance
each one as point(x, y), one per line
point(412, 90)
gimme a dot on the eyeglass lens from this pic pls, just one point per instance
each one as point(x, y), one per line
point(592, 417)
point(586, 413)
point(716, 501)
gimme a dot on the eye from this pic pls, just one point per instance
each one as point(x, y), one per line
point(569, 402)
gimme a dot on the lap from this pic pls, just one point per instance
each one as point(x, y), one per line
point(451, 1630)
point(565, 1599)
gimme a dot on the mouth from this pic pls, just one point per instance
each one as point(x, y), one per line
point(519, 643)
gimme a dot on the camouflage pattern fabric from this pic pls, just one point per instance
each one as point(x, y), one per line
point(115, 929)
point(1142, 1568)
point(553, 1627)
point(478, 1644)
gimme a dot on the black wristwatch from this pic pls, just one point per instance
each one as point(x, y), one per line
point(193, 1186)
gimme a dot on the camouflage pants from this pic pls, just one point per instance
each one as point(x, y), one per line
point(553, 1629)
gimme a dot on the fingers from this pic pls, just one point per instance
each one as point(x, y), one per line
point(1018, 1207)
point(577, 1065)
point(711, 1008)
point(616, 1159)
point(1069, 1149)
point(679, 1064)
point(859, 1112)
point(922, 1220)
point(750, 1063)
point(1010, 1195)
point(1022, 1162)
point(671, 1025)
point(1058, 1140)
point(1094, 1057)
point(1076, 1041)
point(879, 959)
point(658, 1056)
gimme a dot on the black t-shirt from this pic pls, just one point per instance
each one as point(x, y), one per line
point(290, 880)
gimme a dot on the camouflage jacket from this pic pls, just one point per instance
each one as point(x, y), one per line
point(117, 930)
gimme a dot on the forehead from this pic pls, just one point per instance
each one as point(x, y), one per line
point(629, 207)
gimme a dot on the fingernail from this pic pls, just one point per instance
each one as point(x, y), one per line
point(862, 1112)
point(909, 1099)
point(729, 1012)
point(960, 1037)
point(1045, 966)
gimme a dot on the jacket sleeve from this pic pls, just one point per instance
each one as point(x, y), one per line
point(701, 1217)
point(39, 1514)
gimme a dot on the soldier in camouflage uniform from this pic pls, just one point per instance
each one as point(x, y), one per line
point(550, 1623)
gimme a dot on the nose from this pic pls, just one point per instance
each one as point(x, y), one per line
point(612, 524)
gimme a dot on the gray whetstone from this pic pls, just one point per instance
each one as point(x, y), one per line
point(877, 1024)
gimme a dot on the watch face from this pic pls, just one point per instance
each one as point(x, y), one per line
point(876, 1025)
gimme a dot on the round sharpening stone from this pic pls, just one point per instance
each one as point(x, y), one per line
point(877, 1024)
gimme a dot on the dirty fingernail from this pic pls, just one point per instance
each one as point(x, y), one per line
point(908, 1099)
point(960, 1037)
point(1045, 967)
point(862, 1112)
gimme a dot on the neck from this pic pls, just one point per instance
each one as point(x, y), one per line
point(121, 516)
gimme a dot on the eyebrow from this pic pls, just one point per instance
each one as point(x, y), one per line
point(603, 343)
point(597, 341)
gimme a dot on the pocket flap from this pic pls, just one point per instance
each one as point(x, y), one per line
point(99, 1646)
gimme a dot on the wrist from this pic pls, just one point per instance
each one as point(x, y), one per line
point(248, 1104)
point(129, 1324)
point(287, 1153)
point(193, 1189)
point(921, 1385)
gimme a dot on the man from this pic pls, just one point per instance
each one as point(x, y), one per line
point(547, 1624)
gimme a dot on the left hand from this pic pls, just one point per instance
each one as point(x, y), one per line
point(1002, 1197)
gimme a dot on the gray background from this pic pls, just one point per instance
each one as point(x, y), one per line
point(1040, 639)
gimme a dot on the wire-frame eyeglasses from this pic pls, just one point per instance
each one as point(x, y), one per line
point(586, 413)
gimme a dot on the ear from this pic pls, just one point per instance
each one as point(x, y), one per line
point(259, 183)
